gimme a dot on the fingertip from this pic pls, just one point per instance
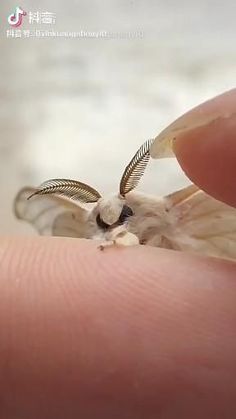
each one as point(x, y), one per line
point(204, 142)
point(207, 154)
point(100, 334)
point(221, 106)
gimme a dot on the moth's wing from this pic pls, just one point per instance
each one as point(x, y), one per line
point(51, 215)
point(201, 223)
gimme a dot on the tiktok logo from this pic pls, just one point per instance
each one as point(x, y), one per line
point(15, 19)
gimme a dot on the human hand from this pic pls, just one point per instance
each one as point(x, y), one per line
point(136, 333)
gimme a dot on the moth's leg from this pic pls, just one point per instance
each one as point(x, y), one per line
point(122, 237)
point(105, 244)
point(110, 237)
point(119, 236)
point(126, 239)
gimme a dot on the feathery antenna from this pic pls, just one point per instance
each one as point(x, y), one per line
point(73, 189)
point(135, 169)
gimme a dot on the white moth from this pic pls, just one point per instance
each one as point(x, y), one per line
point(188, 220)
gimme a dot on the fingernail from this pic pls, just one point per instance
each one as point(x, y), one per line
point(222, 106)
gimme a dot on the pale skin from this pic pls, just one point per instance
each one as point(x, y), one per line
point(137, 332)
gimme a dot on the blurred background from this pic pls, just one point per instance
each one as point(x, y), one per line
point(79, 107)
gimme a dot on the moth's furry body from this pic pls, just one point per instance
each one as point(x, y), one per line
point(151, 217)
point(187, 220)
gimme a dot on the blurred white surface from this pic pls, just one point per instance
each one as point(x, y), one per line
point(80, 108)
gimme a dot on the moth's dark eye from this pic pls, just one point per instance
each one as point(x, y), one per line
point(101, 223)
point(125, 213)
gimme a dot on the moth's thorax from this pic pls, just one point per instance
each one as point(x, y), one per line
point(110, 208)
point(151, 216)
point(147, 205)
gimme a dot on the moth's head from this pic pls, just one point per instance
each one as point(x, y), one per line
point(111, 212)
